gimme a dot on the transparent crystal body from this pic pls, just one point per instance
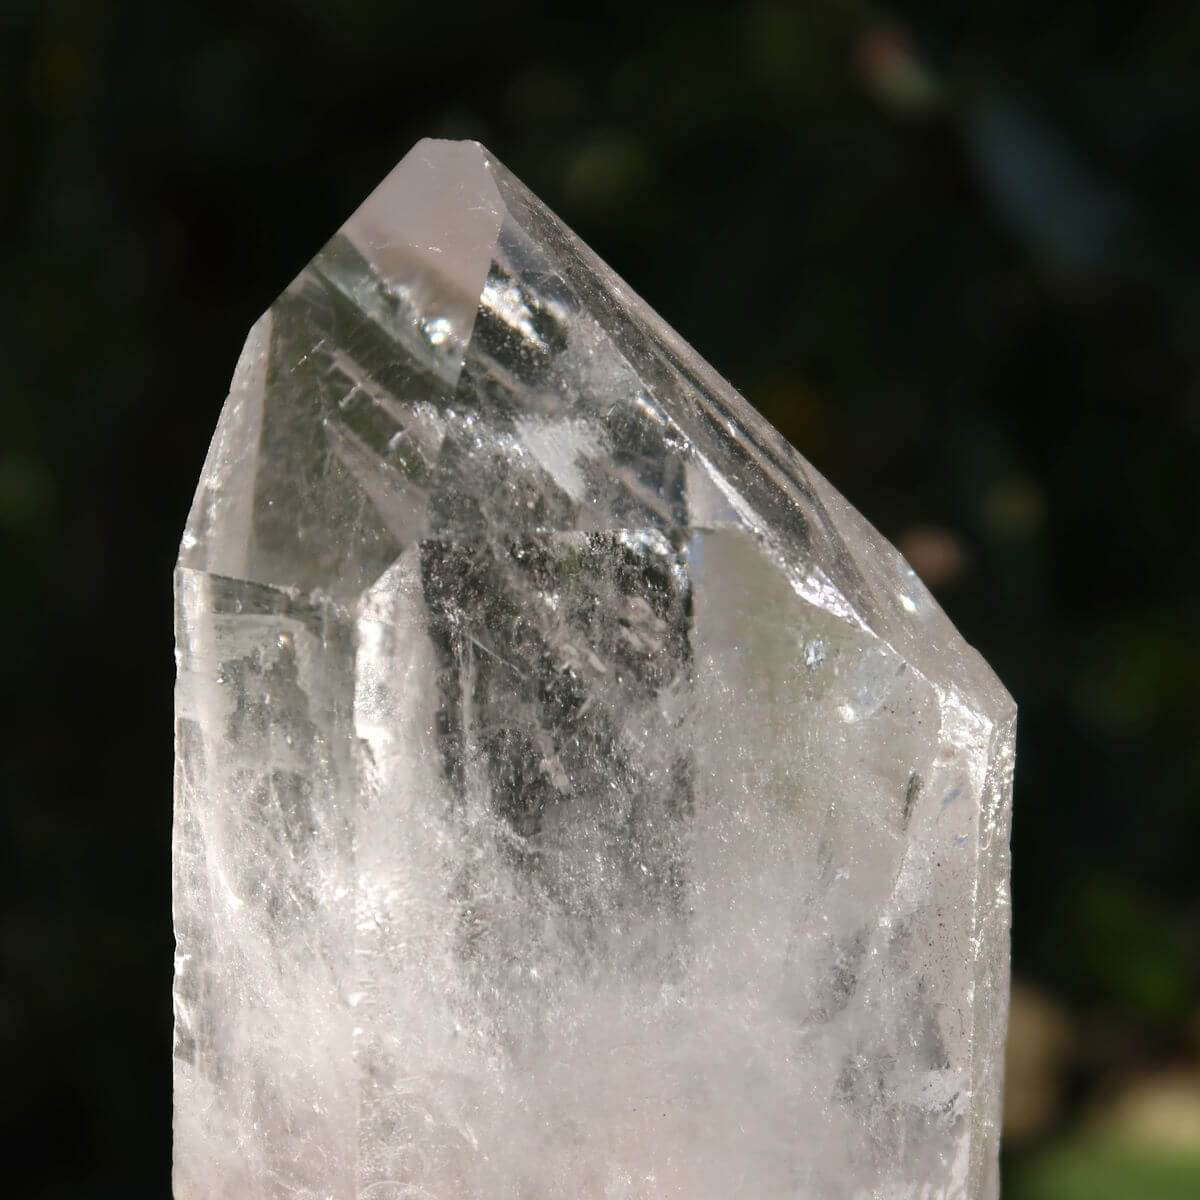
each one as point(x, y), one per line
point(575, 796)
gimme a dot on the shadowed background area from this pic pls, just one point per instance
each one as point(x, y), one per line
point(956, 262)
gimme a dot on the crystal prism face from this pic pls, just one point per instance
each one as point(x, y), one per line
point(575, 797)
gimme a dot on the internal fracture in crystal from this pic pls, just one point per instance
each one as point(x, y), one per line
point(575, 796)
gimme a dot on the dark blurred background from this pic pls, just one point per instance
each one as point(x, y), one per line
point(956, 260)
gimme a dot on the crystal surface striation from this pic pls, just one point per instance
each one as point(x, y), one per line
point(575, 797)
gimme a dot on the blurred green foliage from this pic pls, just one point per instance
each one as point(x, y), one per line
point(953, 255)
point(1089, 1169)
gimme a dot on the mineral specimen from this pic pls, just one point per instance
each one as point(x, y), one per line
point(576, 798)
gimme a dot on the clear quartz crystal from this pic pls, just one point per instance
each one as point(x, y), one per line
point(575, 797)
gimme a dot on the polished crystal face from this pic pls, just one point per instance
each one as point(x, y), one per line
point(575, 796)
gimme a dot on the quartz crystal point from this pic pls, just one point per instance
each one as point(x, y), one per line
point(576, 799)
